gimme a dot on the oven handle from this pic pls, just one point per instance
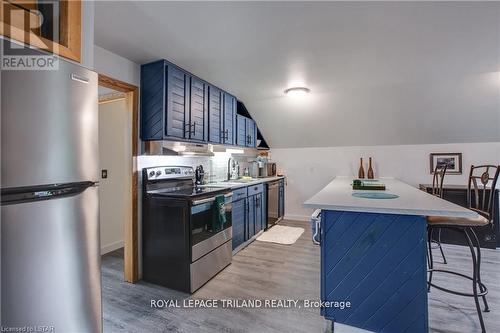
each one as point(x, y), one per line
point(202, 201)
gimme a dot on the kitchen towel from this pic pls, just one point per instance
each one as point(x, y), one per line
point(219, 213)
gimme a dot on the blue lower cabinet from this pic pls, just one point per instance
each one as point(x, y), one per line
point(264, 209)
point(259, 218)
point(239, 222)
point(251, 216)
point(377, 263)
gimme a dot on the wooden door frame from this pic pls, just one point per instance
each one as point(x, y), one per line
point(131, 253)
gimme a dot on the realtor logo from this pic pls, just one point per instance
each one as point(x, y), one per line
point(35, 20)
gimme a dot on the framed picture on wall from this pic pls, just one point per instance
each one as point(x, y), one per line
point(453, 160)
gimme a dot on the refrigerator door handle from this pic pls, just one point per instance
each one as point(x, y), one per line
point(11, 196)
point(79, 78)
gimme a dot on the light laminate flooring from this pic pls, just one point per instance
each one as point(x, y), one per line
point(272, 271)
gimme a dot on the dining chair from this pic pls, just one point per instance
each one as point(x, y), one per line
point(437, 190)
point(480, 198)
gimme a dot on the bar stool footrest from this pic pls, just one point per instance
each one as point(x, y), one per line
point(479, 294)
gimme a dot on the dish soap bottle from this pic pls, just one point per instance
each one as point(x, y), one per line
point(361, 171)
point(370, 169)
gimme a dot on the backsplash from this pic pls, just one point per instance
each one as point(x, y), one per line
point(215, 166)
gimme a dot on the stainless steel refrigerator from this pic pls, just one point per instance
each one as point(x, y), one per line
point(50, 251)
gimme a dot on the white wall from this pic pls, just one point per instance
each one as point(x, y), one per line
point(115, 66)
point(115, 149)
point(308, 170)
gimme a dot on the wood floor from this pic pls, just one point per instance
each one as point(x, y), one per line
point(272, 271)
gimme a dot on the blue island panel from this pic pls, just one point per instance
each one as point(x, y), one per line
point(377, 262)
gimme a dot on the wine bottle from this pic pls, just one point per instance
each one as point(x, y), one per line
point(370, 169)
point(361, 171)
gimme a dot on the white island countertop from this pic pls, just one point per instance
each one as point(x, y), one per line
point(337, 195)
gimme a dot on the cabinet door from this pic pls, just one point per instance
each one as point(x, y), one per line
point(198, 107)
point(250, 133)
point(153, 84)
point(238, 220)
point(258, 212)
point(241, 130)
point(229, 119)
point(215, 117)
point(250, 217)
point(177, 103)
point(264, 208)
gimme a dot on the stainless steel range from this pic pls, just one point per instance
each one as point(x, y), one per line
point(186, 229)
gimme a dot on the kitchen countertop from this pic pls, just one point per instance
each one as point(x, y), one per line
point(337, 195)
point(234, 185)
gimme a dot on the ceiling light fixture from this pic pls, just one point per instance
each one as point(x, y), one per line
point(297, 91)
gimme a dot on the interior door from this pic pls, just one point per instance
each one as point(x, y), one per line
point(177, 104)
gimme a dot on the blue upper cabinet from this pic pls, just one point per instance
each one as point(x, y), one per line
point(246, 132)
point(153, 84)
point(229, 119)
point(241, 130)
point(215, 116)
point(177, 123)
point(251, 133)
point(176, 105)
point(198, 116)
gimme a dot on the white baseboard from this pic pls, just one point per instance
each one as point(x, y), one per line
point(297, 217)
point(111, 247)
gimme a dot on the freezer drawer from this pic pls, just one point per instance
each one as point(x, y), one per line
point(208, 266)
point(50, 263)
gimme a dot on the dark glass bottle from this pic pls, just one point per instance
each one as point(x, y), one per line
point(361, 171)
point(370, 169)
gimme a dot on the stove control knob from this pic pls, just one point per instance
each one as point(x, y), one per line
point(158, 173)
point(151, 174)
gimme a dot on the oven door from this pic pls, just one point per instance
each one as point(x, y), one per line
point(206, 233)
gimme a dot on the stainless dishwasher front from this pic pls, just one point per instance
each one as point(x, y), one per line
point(273, 203)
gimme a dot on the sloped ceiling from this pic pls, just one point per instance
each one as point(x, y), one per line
point(379, 73)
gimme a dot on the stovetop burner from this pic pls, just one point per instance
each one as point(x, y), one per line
point(176, 182)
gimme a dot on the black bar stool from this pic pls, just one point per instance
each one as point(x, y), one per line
point(437, 190)
point(482, 203)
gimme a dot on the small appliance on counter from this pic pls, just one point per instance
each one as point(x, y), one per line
point(187, 230)
point(261, 166)
point(199, 175)
point(271, 169)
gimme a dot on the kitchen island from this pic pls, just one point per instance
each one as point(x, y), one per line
point(373, 254)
